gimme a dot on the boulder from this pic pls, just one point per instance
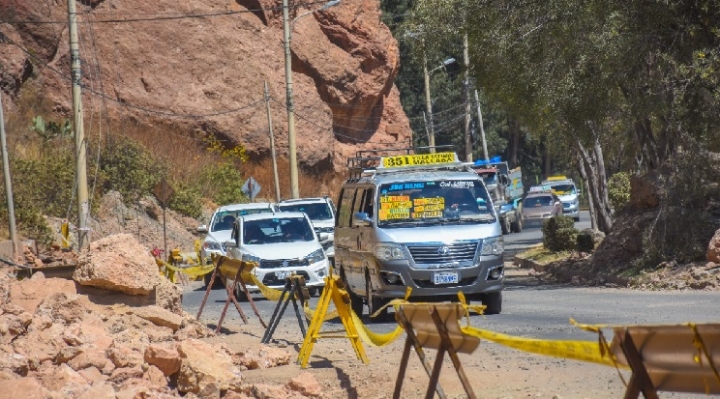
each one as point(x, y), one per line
point(713, 251)
point(29, 293)
point(99, 390)
point(25, 388)
point(169, 296)
point(118, 263)
point(265, 357)
point(158, 316)
point(124, 357)
point(165, 358)
point(63, 379)
point(202, 364)
point(306, 384)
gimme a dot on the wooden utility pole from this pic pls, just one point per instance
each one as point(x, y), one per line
point(428, 106)
point(272, 143)
point(80, 143)
point(8, 185)
point(482, 128)
point(466, 94)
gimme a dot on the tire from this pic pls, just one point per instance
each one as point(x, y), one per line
point(493, 302)
point(240, 294)
point(517, 225)
point(218, 281)
point(315, 291)
point(374, 303)
point(505, 225)
point(576, 219)
point(356, 303)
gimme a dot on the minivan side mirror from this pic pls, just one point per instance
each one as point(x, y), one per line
point(323, 237)
point(202, 229)
point(361, 219)
point(230, 244)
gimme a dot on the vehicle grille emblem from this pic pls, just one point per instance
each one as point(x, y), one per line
point(443, 251)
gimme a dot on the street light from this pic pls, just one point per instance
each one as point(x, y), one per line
point(428, 102)
point(287, 28)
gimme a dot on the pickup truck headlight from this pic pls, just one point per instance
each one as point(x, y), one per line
point(493, 246)
point(389, 252)
point(315, 256)
point(212, 245)
point(250, 258)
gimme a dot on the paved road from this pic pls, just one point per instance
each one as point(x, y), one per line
point(530, 308)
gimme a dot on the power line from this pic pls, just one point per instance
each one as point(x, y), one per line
point(126, 104)
point(158, 17)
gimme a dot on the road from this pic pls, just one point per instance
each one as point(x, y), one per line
point(530, 308)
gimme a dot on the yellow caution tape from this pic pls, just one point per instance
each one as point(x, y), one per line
point(310, 313)
point(587, 351)
point(193, 271)
point(373, 338)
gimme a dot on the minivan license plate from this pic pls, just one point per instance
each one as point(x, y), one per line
point(282, 275)
point(445, 278)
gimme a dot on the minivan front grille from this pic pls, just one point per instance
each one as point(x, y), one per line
point(443, 253)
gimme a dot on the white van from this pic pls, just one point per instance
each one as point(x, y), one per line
point(423, 221)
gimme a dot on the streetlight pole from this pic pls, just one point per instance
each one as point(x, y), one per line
point(428, 106)
point(292, 152)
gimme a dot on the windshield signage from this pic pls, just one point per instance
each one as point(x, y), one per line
point(419, 159)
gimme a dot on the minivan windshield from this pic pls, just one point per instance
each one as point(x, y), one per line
point(434, 202)
point(316, 211)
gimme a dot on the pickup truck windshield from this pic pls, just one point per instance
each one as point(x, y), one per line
point(434, 202)
point(316, 211)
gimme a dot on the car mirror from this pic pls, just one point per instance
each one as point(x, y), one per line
point(323, 236)
point(202, 229)
point(230, 244)
point(361, 219)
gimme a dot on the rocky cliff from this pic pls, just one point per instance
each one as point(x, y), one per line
point(199, 66)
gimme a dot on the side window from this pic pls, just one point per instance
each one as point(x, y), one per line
point(367, 202)
point(346, 202)
point(358, 203)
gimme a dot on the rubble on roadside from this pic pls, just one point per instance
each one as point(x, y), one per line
point(118, 331)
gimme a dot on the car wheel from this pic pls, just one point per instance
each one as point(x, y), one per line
point(216, 284)
point(493, 302)
point(356, 303)
point(517, 225)
point(374, 303)
point(577, 219)
point(315, 291)
point(240, 294)
point(505, 225)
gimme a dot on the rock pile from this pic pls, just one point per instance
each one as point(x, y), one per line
point(62, 339)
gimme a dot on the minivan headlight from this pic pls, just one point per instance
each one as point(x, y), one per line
point(389, 252)
point(493, 246)
point(316, 256)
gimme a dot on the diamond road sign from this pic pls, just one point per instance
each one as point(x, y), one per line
point(251, 188)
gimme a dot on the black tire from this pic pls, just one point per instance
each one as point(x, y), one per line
point(240, 294)
point(493, 302)
point(517, 225)
point(576, 219)
point(315, 291)
point(218, 281)
point(374, 303)
point(356, 303)
point(505, 225)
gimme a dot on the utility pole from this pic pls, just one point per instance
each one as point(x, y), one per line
point(272, 143)
point(482, 128)
point(466, 94)
point(8, 186)
point(80, 143)
point(292, 153)
point(428, 106)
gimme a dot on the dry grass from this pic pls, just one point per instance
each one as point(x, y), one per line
point(541, 255)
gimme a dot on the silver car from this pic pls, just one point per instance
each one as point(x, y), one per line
point(431, 227)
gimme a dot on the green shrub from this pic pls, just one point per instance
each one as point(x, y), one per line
point(619, 190)
point(585, 242)
point(223, 183)
point(128, 168)
point(559, 233)
point(186, 200)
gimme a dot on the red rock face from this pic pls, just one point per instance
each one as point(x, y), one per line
point(344, 62)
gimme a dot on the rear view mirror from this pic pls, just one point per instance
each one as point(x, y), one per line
point(323, 236)
point(202, 229)
point(230, 244)
point(361, 219)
